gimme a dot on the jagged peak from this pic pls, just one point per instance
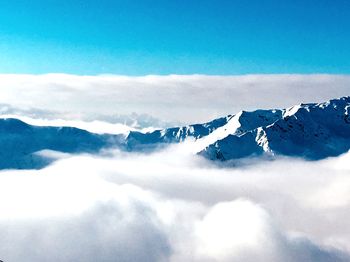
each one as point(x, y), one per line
point(303, 136)
point(333, 103)
point(344, 98)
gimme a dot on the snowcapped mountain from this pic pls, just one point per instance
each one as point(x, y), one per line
point(149, 141)
point(311, 131)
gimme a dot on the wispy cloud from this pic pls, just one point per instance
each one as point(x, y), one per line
point(173, 98)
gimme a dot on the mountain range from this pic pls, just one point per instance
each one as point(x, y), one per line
point(311, 131)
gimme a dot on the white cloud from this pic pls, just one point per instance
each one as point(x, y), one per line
point(108, 231)
point(169, 205)
point(97, 127)
point(173, 98)
point(232, 227)
point(172, 206)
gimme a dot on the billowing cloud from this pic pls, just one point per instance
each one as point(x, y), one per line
point(173, 206)
point(173, 98)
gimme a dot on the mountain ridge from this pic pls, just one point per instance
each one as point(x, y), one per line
point(312, 131)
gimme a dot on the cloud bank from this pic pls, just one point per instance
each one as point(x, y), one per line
point(173, 98)
point(169, 205)
point(172, 206)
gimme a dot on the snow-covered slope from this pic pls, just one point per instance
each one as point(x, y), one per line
point(150, 141)
point(238, 125)
point(312, 131)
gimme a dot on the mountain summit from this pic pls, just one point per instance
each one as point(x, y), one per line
point(311, 131)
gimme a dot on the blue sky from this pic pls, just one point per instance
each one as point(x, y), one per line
point(175, 37)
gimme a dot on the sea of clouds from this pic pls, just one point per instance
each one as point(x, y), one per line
point(170, 205)
point(175, 206)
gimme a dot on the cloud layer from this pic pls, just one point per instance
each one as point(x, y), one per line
point(173, 98)
point(172, 206)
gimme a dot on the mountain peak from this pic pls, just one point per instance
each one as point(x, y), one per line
point(312, 131)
